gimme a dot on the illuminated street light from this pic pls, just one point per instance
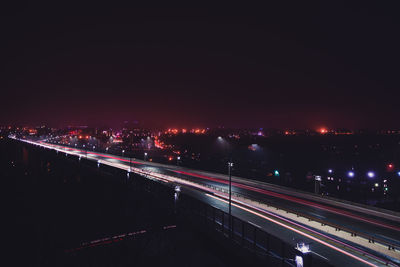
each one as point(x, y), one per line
point(123, 151)
point(330, 171)
point(276, 173)
point(145, 156)
point(371, 174)
point(350, 174)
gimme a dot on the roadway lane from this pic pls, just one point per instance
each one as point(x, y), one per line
point(353, 223)
point(325, 250)
point(380, 228)
point(239, 212)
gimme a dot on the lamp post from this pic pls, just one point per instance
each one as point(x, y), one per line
point(123, 151)
point(145, 156)
point(230, 165)
point(225, 145)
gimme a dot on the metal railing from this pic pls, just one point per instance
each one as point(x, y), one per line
point(264, 246)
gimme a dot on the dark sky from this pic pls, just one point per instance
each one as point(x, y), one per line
point(294, 65)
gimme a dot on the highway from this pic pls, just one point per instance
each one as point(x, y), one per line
point(345, 234)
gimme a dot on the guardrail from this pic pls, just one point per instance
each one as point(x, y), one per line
point(352, 232)
point(264, 246)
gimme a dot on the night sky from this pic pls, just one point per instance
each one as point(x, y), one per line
point(295, 65)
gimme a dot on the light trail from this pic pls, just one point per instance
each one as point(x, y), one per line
point(298, 225)
point(166, 178)
point(294, 199)
point(296, 231)
point(251, 188)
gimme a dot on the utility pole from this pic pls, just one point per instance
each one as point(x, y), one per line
point(230, 165)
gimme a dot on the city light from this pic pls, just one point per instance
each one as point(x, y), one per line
point(350, 174)
point(390, 167)
point(323, 130)
point(330, 171)
point(276, 173)
point(371, 174)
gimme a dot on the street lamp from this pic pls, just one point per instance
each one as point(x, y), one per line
point(371, 174)
point(177, 160)
point(145, 156)
point(123, 151)
point(230, 165)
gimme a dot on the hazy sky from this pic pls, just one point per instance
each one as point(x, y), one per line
point(299, 65)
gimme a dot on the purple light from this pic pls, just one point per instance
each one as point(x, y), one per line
point(350, 174)
point(371, 174)
point(330, 170)
point(398, 173)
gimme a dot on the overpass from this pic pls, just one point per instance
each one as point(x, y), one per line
point(344, 233)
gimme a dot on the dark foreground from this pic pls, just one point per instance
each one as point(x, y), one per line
point(58, 205)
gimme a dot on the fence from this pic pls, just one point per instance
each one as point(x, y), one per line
point(260, 245)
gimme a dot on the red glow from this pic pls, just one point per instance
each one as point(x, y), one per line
point(158, 144)
point(323, 130)
point(390, 167)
